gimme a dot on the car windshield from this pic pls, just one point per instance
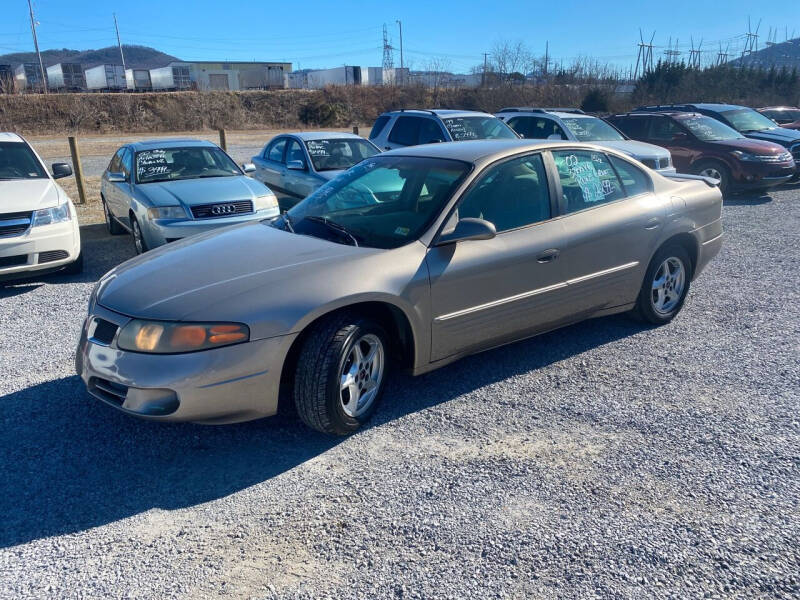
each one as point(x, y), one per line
point(383, 202)
point(170, 164)
point(17, 161)
point(338, 154)
point(785, 115)
point(710, 130)
point(747, 119)
point(592, 129)
point(478, 128)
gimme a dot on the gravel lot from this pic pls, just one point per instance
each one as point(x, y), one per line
point(605, 460)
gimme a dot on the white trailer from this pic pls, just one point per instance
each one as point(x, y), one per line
point(105, 77)
point(66, 76)
point(347, 75)
point(28, 78)
point(172, 77)
point(138, 80)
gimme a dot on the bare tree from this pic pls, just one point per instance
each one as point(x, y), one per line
point(511, 58)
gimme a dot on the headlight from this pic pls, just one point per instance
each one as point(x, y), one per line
point(166, 212)
point(160, 337)
point(48, 216)
point(265, 202)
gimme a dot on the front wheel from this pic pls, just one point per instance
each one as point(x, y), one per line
point(139, 242)
point(665, 285)
point(715, 170)
point(340, 374)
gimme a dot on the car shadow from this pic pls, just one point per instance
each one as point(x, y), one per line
point(748, 199)
point(72, 463)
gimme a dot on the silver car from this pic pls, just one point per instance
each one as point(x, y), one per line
point(297, 164)
point(165, 190)
point(413, 258)
point(575, 125)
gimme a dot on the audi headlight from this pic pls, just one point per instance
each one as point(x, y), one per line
point(166, 212)
point(49, 216)
point(161, 337)
point(265, 202)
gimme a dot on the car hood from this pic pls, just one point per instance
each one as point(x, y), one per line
point(21, 195)
point(191, 192)
point(780, 135)
point(637, 149)
point(750, 145)
point(237, 274)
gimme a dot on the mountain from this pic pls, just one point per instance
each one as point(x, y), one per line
point(136, 57)
point(786, 54)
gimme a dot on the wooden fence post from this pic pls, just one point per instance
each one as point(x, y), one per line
point(355, 129)
point(76, 166)
point(223, 140)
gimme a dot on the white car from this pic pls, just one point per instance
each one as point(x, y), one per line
point(38, 224)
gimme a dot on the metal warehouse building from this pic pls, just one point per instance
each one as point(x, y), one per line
point(238, 75)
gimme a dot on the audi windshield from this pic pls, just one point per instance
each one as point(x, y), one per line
point(170, 164)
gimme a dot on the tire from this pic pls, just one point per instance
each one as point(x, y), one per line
point(139, 243)
point(113, 226)
point(717, 170)
point(76, 267)
point(329, 354)
point(659, 305)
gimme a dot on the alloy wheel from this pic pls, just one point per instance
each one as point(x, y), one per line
point(668, 285)
point(137, 237)
point(712, 172)
point(362, 375)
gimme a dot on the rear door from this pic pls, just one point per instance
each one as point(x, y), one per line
point(612, 221)
point(489, 292)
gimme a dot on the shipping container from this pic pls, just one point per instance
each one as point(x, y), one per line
point(66, 76)
point(275, 79)
point(138, 80)
point(174, 77)
point(28, 78)
point(348, 75)
point(105, 77)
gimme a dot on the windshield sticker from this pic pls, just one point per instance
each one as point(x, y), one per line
point(402, 231)
point(151, 163)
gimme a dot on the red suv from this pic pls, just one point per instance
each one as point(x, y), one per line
point(706, 146)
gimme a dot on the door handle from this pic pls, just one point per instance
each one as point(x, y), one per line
point(653, 223)
point(548, 256)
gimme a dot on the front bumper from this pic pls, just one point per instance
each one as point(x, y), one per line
point(34, 251)
point(761, 176)
point(158, 232)
point(223, 385)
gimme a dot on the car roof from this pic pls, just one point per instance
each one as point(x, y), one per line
point(10, 137)
point(778, 108)
point(324, 135)
point(475, 151)
point(170, 143)
point(660, 113)
point(440, 112)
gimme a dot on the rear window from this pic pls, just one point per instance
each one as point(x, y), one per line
point(380, 123)
point(633, 127)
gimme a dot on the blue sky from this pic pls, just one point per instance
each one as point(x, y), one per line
point(314, 34)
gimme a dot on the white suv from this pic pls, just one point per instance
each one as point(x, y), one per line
point(38, 224)
point(401, 128)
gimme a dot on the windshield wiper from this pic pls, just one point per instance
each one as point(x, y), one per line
point(288, 220)
point(331, 225)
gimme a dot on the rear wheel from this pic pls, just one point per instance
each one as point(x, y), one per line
point(340, 374)
point(138, 239)
point(715, 170)
point(665, 285)
point(113, 226)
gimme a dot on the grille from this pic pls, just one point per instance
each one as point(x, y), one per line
point(12, 224)
point(650, 162)
point(115, 393)
point(222, 209)
point(52, 255)
point(104, 331)
point(13, 261)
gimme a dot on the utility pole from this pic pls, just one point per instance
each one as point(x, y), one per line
point(485, 65)
point(546, 56)
point(400, 25)
point(36, 45)
point(119, 43)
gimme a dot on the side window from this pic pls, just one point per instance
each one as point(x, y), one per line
point(405, 131)
point(275, 150)
point(512, 194)
point(126, 164)
point(429, 131)
point(634, 180)
point(633, 127)
point(295, 152)
point(536, 128)
point(587, 179)
point(663, 129)
point(380, 123)
point(115, 166)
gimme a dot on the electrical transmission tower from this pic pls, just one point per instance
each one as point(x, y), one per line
point(388, 51)
point(672, 54)
point(751, 39)
point(722, 57)
point(694, 54)
point(645, 56)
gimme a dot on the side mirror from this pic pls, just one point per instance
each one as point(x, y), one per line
point(296, 165)
point(468, 229)
point(117, 178)
point(61, 170)
point(249, 168)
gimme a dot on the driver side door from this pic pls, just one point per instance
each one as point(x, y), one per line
point(489, 292)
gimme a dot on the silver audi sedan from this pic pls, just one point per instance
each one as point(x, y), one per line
point(411, 259)
point(165, 190)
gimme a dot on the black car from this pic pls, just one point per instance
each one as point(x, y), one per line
point(747, 121)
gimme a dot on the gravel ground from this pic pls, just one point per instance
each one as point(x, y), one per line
point(604, 460)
